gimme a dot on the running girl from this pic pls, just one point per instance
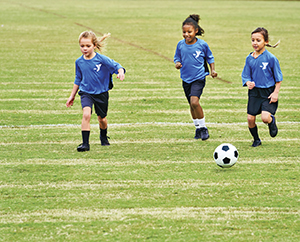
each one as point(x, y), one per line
point(191, 57)
point(94, 80)
point(262, 75)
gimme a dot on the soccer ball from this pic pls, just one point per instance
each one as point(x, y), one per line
point(226, 155)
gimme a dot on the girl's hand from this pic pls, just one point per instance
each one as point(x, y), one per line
point(273, 97)
point(250, 85)
point(70, 102)
point(214, 74)
point(121, 74)
point(178, 65)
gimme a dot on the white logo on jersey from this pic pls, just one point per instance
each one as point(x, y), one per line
point(264, 65)
point(197, 53)
point(98, 67)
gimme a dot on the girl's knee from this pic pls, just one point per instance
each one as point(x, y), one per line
point(266, 117)
point(86, 116)
point(102, 120)
point(251, 121)
point(194, 104)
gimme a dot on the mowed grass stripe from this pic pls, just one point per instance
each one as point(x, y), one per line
point(208, 213)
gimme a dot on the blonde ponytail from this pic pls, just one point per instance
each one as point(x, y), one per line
point(101, 42)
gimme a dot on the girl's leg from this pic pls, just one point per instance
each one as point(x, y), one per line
point(103, 131)
point(253, 130)
point(85, 129)
point(102, 122)
point(198, 118)
point(251, 121)
point(269, 119)
point(266, 117)
point(86, 117)
point(196, 109)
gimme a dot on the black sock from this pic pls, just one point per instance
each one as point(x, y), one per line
point(85, 136)
point(103, 132)
point(254, 132)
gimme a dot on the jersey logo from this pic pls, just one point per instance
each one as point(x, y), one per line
point(264, 66)
point(98, 67)
point(197, 53)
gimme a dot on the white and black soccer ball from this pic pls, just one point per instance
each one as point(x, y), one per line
point(226, 155)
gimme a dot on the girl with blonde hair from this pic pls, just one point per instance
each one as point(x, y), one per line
point(93, 80)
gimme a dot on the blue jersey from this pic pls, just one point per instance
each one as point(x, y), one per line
point(94, 76)
point(194, 59)
point(264, 70)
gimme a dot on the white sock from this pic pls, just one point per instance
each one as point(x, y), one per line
point(201, 123)
point(196, 123)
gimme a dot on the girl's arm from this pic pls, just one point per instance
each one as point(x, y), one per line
point(121, 74)
point(274, 96)
point(212, 70)
point(71, 99)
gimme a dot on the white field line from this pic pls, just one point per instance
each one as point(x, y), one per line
point(129, 183)
point(136, 124)
point(183, 111)
point(117, 163)
point(207, 213)
point(69, 84)
point(124, 184)
point(150, 141)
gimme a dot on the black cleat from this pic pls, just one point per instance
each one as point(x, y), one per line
point(83, 147)
point(273, 130)
point(256, 143)
point(197, 134)
point(204, 133)
point(104, 141)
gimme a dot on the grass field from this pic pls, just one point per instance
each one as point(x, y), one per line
point(155, 182)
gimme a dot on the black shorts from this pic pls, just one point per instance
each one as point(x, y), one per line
point(258, 101)
point(100, 102)
point(193, 89)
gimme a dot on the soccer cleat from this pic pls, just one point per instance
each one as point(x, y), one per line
point(197, 134)
point(273, 130)
point(204, 133)
point(104, 141)
point(256, 143)
point(83, 147)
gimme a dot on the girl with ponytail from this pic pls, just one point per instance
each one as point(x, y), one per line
point(191, 57)
point(93, 80)
point(262, 75)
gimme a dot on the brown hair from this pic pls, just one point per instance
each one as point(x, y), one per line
point(97, 41)
point(265, 34)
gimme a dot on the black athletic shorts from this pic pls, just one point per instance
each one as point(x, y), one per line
point(193, 89)
point(258, 101)
point(100, 102)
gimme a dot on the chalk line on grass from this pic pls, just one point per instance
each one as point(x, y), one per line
point(119, 214)
point(136, 124)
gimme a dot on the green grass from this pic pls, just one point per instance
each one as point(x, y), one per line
point(155, 182)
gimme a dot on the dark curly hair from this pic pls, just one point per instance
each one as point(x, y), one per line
point(193, 19)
